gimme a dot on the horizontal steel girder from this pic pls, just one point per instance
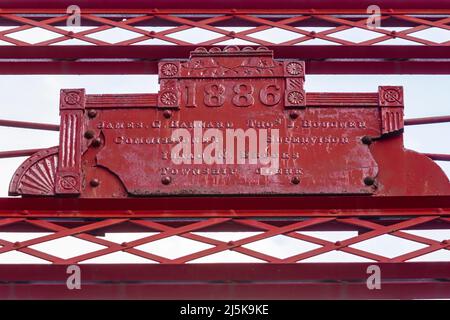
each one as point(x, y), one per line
point(228, 281)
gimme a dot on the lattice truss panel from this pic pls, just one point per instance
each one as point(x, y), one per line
point(198, 240)
point(157, 27)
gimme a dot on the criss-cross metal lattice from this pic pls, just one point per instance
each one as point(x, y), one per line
point(294, 23)
point(264, 229)
point(314, 35)
point(38, 41)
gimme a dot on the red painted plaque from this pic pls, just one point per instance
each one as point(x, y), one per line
point(229, 121)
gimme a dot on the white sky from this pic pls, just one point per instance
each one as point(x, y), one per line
point(35, 98)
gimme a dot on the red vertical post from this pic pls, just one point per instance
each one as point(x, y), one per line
point(68, 175)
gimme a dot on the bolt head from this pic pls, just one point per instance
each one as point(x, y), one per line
point(96, 142)
point(92, 114)
point(293, 115)
point(167, 114)
point(89, 134)
point(367, 140)
point(295, 180)
point(94, 183)
point(166, 180)
point(369, 181)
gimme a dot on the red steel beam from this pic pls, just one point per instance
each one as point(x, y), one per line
point(438, 157)
point(18, 153)
point(427, 120)
point(142, 52)
point(149, 67)
point(232, 206)
point(140, 60)
point(228, 281)
point(29, 125)
point(222, 4)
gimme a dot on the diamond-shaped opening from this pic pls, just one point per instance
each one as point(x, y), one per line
point(356, 35)
point(227, 256)
point(336, 256)
point(433, 34)
point(331, 236)
point(21, 236)
point(281, 246)
point(120, 237)
point(437, 235)
point(195, 35)
point(275, 35)
point(227, 236)
point(5, 43)
point(173, 247)
point(67, 247)
point(17, 257)
point(73, 42)
point(439, 255)
point(237, 42)
point(119, 257)
point(34, 35)
point(388, 246)
point(114, 35)
point(315, 29)
point(398, 42)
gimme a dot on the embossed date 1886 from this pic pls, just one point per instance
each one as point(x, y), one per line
point(242, 94)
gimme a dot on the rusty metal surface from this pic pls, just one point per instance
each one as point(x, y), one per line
point(184, 140)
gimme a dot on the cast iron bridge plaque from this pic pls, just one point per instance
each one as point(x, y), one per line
point(195, 137)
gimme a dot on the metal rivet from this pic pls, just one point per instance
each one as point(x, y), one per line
point(89, 134)
point(367, 140)
point(230, 243)
point(444, 242)
point(16, 244)
point(293, 115)
point(94, 182)
point(166, 180)
point(97, 142)
point(92, 114)
point(337, 243)
point(368, 181)
point(167, 114)
point(295, 180)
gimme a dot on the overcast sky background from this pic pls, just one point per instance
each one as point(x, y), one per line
point(36, 99)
